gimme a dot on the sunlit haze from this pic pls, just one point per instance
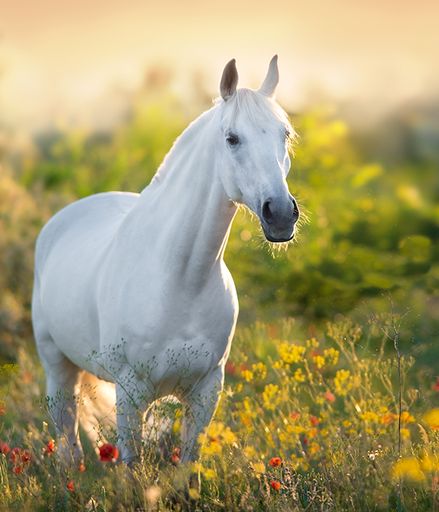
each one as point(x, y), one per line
point(76, 60)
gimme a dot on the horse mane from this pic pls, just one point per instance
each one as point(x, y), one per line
point(182, 148)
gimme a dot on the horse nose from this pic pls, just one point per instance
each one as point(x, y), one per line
point(296, 211)
point(267, 212)
point(270, 212)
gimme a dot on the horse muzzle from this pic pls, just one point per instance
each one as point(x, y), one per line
point(278, 219)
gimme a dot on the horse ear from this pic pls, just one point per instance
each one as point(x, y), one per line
point(268, 86)
point(229, 80)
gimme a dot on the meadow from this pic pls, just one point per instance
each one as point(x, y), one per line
point(332, 388)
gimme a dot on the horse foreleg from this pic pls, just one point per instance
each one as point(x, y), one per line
point(133, 400)
point(200, 405)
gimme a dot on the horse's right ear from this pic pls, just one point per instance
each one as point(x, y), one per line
point(229, 80)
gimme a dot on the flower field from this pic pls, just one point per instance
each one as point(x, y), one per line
point(329, 422)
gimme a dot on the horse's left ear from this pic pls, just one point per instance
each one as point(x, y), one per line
point(268, 86)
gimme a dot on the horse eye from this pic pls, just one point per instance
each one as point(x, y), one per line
point(232, 139)
point(287, 134)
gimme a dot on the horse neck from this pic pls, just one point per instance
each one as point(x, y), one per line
point(188, 204)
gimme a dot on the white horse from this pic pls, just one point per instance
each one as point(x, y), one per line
point(131, 290)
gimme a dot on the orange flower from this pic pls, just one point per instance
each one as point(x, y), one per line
point(329, 396)
point(70, 485)
point(4, 448)
point(81, 468)
point(50, 447)
point(108, 453)
point(175, 457)
point(275, 485)
point(388, 418)
point(275, 462)
point(295, 415)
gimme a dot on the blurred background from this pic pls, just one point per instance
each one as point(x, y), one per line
point(92, 95)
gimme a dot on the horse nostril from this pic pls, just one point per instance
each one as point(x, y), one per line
point(266, 212)
point(295, 209)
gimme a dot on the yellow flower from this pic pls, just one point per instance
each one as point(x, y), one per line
point(409, 468)
point(176, 427)
point(258, 467)
point(343, 382)
point(319, 361)
point(247, 375)
point(196, 467)
point(194, 494)
point(246, 418)
point(271, 396)
point(314, 448)
point(406, 417)
point(312, 343)
point(430, 463)
point(370, 417)
point(431, 418)
point(228, 436)
point(331, 355)
point(405, 433)
point(214, 437)
point(208, 473)
point(250, 452)
point(213, 447)
point(299, 376)
point(290, 353)
point(259, 370)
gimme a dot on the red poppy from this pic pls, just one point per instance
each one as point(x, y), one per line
point(25, 456)
point(275, 485)
point(81, 468)
point(108, 453)
point(17, 469)
point(295, 415)
point(329, 396)
point(70, 485)
point(175, 457)
point(314, 420)
point(436, 385)
point(275, 462)
point(15, 454)
point(50, 447)
point(230, 368)
point(4, 448)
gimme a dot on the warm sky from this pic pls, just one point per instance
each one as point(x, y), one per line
point(64, 56)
